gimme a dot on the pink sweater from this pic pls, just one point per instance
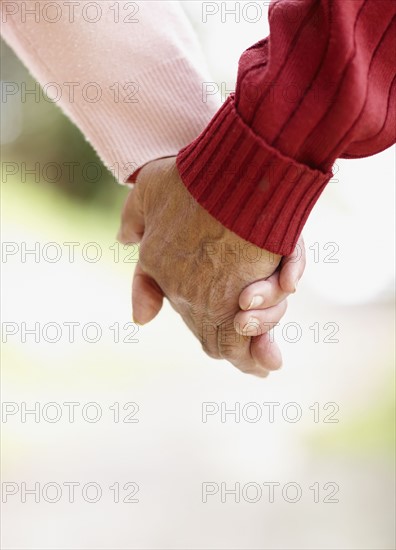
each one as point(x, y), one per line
point(130, 79)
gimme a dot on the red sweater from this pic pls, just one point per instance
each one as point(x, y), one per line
point(321, 86)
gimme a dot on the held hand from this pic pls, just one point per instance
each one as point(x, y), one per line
point(259, 298)
point(182, 258)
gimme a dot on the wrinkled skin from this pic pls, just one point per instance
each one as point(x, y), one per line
point(205, 271)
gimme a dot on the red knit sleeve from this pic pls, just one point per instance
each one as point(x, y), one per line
point(321, 86)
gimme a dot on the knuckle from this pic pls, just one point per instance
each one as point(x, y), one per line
point(211, 352)
point(210, 349)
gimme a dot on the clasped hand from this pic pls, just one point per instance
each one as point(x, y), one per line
point(229, 292)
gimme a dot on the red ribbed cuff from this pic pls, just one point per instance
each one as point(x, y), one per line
point(248, 186)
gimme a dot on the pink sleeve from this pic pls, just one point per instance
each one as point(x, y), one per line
point(128, 74)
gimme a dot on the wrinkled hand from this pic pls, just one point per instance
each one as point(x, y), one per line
point(204, 269)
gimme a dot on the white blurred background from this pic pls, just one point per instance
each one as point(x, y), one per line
point(339, 373)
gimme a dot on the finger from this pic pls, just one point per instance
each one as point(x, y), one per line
point(245, 353)
point(259, 321)
point(249, 365)
point(265, 352)
point(292, 268)
point(147, 297)
point(270, 292)
point(132, 220)
point(225, 343)
point(262, 294)
point(261, 356)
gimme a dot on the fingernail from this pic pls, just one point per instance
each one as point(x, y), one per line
point(256, 302)
point(252, 322)
point(136, 322)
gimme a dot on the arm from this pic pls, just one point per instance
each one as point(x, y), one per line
point(143, 62)
point(321, 86)
point(74, 52)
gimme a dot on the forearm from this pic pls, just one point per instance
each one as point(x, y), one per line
point(130, 80)
point(320, 87)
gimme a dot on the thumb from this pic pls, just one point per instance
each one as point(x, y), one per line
point(292, 268)
point(147, 297)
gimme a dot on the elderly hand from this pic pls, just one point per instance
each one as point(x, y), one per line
point(204, 271)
